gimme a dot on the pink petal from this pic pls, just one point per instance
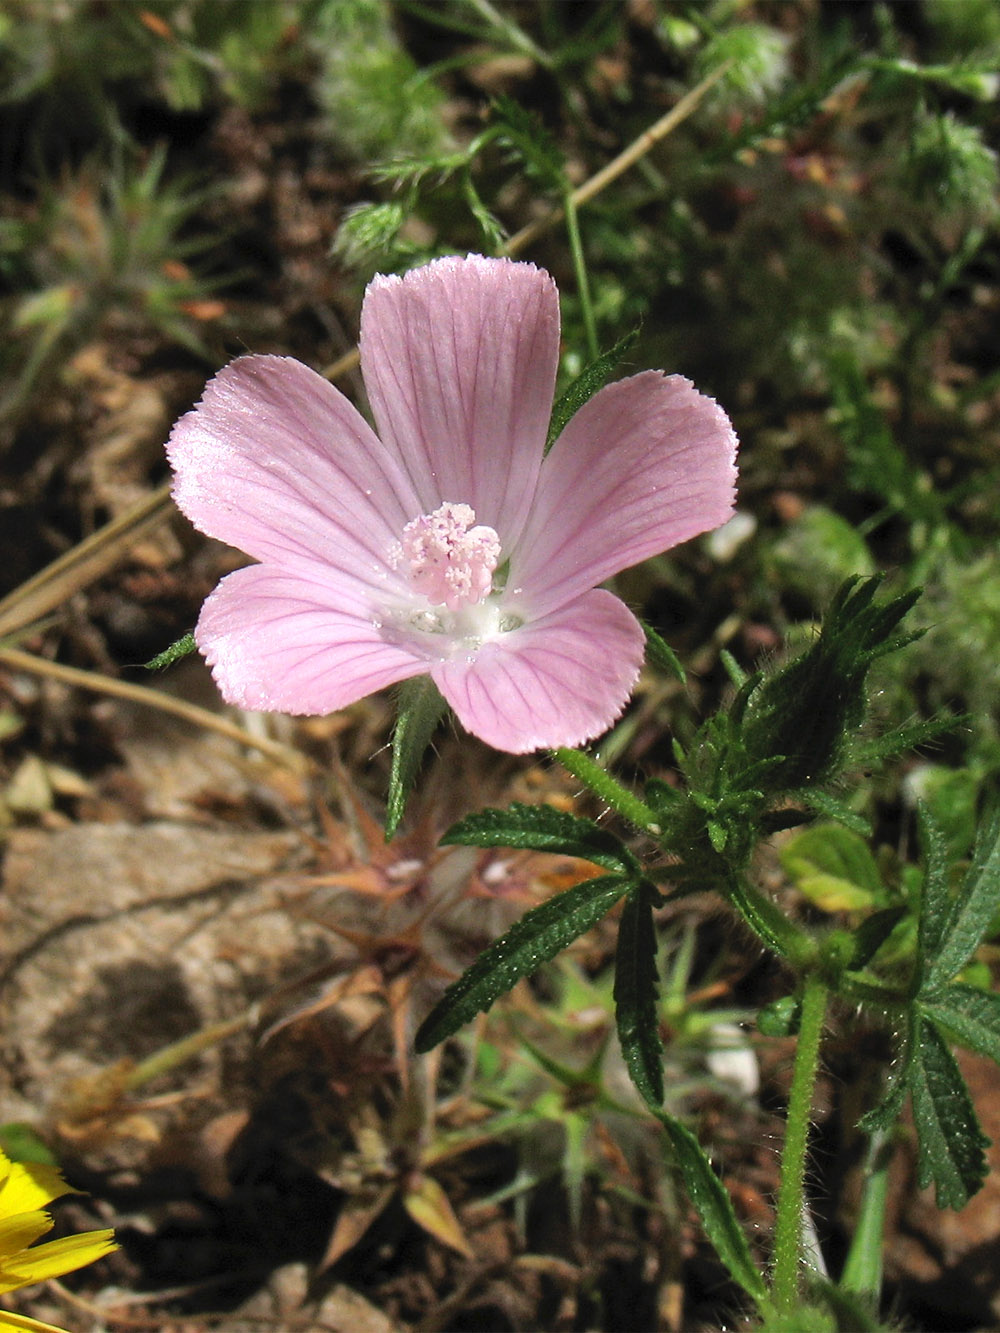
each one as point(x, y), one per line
point(648, 462)
point(278, 642)
point(459, 358)
point(561, 680)
point(275, 461)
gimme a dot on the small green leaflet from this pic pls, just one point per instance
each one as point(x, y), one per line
point(419, 710)
point(935, 897)
point(586, 384)
point(660, 655)
point(181, 648)
point(714, 1208)
point(543, 829)
point(635, 995)
point(958, 927)
point(538, 936)
point(950, 1143)
point(969, 1016)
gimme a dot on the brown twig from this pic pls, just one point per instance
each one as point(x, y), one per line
point(141, 694)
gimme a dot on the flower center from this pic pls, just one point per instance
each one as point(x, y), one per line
point(450, 561)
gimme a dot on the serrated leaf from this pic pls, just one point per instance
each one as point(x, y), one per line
point(541, 828)
point(969, 1016)
point(660, 655)
point(179, 648)
point(420, 709)
point(635, 995)
point(586, 384)
point(950, 1142)
point(714, 1207)
point(971, 911)
point(882, 1117)
point(935, 897)
point(533, 940)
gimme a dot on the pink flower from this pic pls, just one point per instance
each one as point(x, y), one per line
point(446, 544)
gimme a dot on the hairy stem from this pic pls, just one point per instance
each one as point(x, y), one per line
point(791, 1199)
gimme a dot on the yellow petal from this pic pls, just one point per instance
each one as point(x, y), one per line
point(23, 1321)
point(56, 1257)
point(30, 1185)
point(17, 1233)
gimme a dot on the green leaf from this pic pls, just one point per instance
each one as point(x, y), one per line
point(950, 1143)
point(178, 649)
point(22, 1143)
point(420, 709)
point(586, 384)
point(969, 1016)
point(533, 940)
point(523, 131)
point(817, 551)
point(935, 897)
point(660, 655)
point(833, 868)
point(543, 829)
point(970, 912)
point(714, 1208)
point(872, 934)
point(881, 1118)
point(636, 993)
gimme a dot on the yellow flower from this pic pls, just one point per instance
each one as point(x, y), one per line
point(25, 1189)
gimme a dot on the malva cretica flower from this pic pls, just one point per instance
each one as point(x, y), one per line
point(448, 544)
point(25, 1189)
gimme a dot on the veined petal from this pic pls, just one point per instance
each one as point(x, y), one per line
point(54, 1258)
point(279, 642)
point(560, 680)
point(275, 461)
point(459, 359)
point(647, 463)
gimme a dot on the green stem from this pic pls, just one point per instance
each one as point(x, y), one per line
point(791, 1194)
point(580, 271)
point(768, 922)
point(603, 785)
point(862, 1275)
